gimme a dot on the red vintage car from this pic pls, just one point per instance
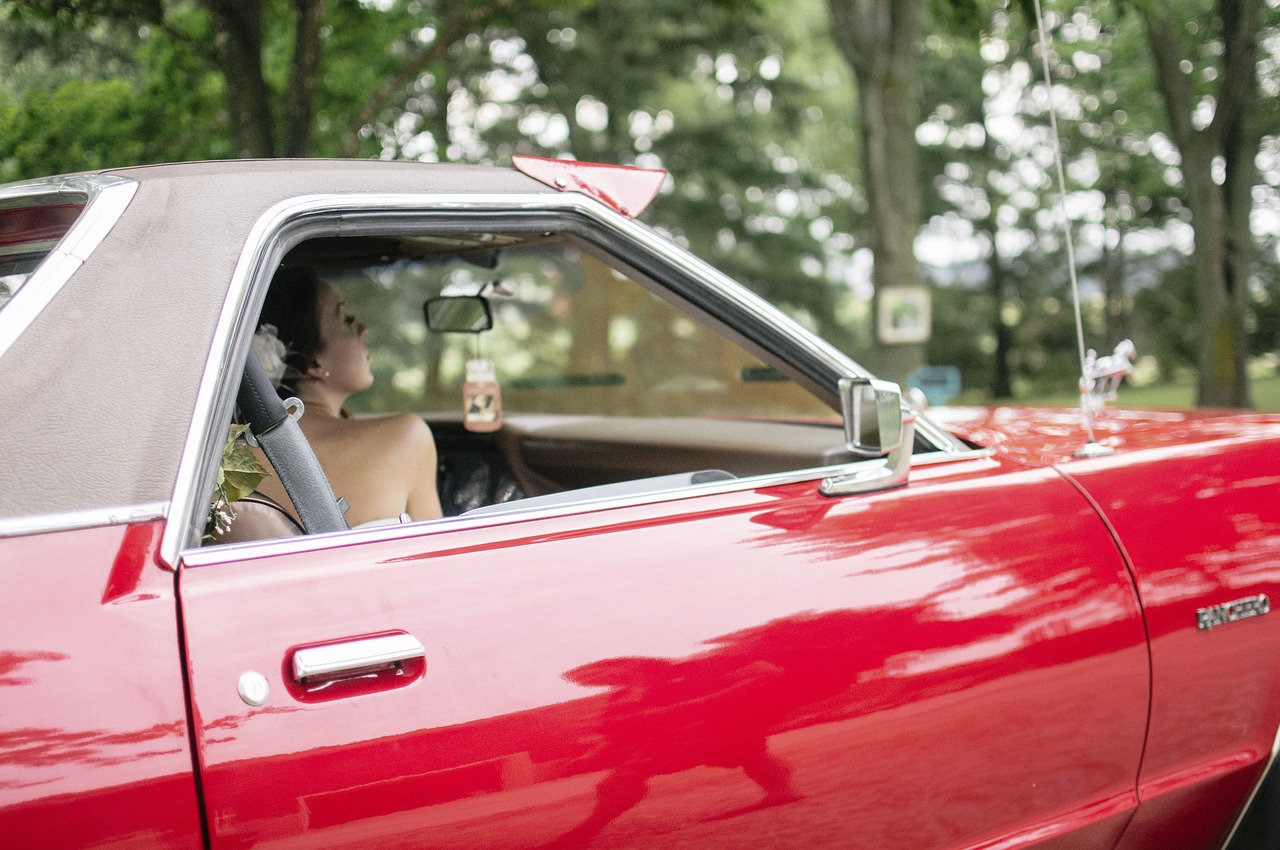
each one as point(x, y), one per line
point(702, 582)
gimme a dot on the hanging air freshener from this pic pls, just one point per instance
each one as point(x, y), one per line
point(481, 397)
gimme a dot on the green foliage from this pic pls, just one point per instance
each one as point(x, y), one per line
point(750, 107)
point(81, 124)
point(1167, 316)
point(1265, 313)
point(962, 334)
point(240, 472)
point(739, 106)
point(363, 46)
point(114, 95)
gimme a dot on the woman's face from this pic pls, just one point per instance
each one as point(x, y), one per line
point(343, 354)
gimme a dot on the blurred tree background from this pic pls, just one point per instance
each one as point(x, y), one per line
point(821, 151)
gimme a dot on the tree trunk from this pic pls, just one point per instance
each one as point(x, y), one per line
point(304, 74)
point(237, 26)
point(879, 40)
point(1002, 285)
point(1219, 207)
point(439, 119)
point(1221, 283)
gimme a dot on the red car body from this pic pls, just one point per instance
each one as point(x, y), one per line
point(1018, 648)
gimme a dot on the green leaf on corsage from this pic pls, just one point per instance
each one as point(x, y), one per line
point(239, 474)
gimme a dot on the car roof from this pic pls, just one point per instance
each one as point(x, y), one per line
point(279, 178)
point(98, 392)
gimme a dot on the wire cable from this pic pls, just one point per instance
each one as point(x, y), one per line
point(1066, 221)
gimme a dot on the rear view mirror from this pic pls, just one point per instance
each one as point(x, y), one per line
point(458, 314)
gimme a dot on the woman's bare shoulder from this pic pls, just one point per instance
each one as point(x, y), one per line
point(375, 440)
point(404, 425)
point(398, 434)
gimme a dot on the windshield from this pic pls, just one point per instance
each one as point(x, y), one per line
point(570, 335)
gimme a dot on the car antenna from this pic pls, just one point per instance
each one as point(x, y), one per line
point(1099, 377)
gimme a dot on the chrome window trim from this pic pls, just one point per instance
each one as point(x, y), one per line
point(943, 440)
point(966, 453)
point(92, 518)
point(106, 197)
point(48, 190)
point(251, 550)
point(290, 222)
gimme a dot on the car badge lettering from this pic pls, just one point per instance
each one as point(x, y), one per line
point(1229, 612)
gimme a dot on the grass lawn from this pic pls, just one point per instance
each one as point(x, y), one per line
point(1266, 396)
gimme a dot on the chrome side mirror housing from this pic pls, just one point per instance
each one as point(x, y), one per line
point(875, 426)
point(872, 412)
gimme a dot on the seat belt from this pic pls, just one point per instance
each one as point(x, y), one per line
point(284, 444)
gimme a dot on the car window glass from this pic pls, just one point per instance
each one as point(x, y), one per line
point(570, 335)
point(29, 230)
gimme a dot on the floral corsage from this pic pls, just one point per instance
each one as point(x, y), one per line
point(271, 353)
point(239, 474)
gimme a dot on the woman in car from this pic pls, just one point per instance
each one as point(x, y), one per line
point(383, 466)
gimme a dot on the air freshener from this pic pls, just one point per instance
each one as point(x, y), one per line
point(481, 397)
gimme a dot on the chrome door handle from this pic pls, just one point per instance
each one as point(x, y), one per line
point(348, 658)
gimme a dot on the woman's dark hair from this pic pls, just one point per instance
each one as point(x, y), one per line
point(292, 305)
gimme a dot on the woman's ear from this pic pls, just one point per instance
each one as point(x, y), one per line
point(316, 373)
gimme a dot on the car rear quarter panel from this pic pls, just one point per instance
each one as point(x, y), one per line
point(1196, 507)
point(99, 390)
point(94, 743)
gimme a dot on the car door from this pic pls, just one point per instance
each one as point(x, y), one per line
point(959, 662)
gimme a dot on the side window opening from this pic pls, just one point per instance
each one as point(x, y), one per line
point(604, 388)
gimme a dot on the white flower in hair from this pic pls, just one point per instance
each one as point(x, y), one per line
point(271, 352)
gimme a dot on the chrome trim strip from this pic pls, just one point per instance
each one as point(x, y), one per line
point(353, 656)
point(290, 221)
point(944, 440)
point(106, 198)
point(41, 191)
point(237, 552)
point(94, 517)
point(109, 196)
point(965, 453)
point(1257, 786)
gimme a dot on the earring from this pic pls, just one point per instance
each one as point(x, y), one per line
point(326, 374)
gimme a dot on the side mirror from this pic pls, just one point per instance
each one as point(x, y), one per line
point(872, 415)
point(458, 314)
point(875, 426)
